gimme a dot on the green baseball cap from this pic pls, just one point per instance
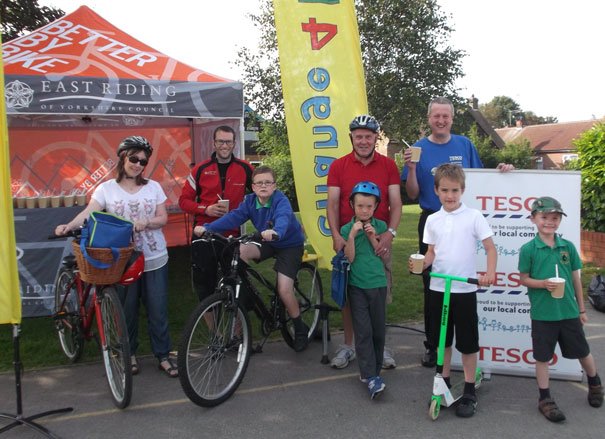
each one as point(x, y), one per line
point(546, 205)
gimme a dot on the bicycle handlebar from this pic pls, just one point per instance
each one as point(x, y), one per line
point(468, 280)
point(248, 238)
point(71, 234)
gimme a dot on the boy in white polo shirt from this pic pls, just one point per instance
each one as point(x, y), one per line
point(452, 234)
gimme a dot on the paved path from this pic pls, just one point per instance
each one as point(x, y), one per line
point(291, 395)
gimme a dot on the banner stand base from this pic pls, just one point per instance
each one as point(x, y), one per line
point(18, 418)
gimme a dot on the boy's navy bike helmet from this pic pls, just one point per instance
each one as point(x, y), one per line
point(366, 188)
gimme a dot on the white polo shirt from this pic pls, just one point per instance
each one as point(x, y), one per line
point(457, 238)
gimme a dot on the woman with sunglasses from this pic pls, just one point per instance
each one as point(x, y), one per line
point(142, 201)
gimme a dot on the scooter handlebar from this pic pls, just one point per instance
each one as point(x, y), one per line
point(469, 280)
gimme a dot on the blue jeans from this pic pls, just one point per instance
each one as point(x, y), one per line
point(152, 290)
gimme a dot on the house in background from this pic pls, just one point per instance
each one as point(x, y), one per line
point(552, 143)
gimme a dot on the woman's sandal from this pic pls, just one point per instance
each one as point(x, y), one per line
point(172, 371)
point(134, 365)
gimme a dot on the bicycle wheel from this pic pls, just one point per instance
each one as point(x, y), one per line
point(67, 315)
point(309, 293)
point(116, 349)
point(214, 350)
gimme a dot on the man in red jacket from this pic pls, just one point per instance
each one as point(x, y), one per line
point(222, 177)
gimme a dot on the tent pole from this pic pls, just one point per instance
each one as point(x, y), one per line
point(18, 419)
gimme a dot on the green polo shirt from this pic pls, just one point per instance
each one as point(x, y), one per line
point(539, 260)
point(367, 270)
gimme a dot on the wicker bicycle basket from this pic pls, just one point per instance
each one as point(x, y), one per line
point(106, 276)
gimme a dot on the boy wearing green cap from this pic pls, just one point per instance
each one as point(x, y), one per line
point(555, 320)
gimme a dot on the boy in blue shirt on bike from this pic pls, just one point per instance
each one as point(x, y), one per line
point(367, 289)
point(272, 215)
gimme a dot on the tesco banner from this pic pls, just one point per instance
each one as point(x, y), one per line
point(504, 322)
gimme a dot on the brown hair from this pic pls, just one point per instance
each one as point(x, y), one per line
point(139, 179)
point(264, 170)
point(451, 172)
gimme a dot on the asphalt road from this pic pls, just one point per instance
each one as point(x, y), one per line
point(290, 395)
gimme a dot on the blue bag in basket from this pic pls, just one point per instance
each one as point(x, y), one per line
point(340, 278)
point(105, 230)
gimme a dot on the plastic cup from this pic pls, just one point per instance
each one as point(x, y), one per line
point(81, 199)
point(20, 202)
point(559, 291)
point(224, 203)
point(417, 263)
point(416, 151)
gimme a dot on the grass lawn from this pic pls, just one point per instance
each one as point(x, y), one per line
point(40, 345)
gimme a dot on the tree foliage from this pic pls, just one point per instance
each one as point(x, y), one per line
point(591, 150)
point(407, 61)
point(22, 16)
point(503, 111)
point(406, 58)
point(518, 153)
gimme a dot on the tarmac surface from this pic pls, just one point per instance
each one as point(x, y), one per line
point(290, 395)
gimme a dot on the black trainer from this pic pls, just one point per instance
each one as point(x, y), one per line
point(467, 406)
point(301, 336)
point(429, 359)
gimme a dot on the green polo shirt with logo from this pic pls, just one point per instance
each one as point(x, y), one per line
point(539, 261)
point(367, 270)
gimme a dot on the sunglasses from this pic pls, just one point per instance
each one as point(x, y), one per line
point(134, 159)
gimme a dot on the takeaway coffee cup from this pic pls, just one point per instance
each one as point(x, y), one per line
point(416, 151)
point(417, 263)
point(69, 200)
point(224, 203)
point(559, 291)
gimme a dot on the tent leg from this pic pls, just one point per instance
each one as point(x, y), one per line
point(18, 418)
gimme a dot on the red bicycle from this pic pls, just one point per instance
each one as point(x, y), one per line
point(78, 303)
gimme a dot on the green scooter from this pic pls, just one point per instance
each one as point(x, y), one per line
point(442, 394)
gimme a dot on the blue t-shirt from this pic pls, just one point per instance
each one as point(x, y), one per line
point(458, 151)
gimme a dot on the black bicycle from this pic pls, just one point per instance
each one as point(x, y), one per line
point(216, 344)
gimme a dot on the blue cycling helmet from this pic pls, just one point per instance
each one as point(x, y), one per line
point(366, 188)
point(365, 121)
point(135, 142)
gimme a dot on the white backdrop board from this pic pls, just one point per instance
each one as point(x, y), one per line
point(504, 323)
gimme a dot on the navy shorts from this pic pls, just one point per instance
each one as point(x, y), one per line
point(287, 260)
point(568, 333)
point(463, 319)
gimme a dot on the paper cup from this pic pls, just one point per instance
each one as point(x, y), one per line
point(69, 200)
point(224, 203)
point(81, 199)
point(30, 202)
point(416, 151)
point(558, 292)
point(417, 263)
point(20, 202)
point(43, 202)
point(55, 201)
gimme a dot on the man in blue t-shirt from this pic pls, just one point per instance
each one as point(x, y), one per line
point(440, 147)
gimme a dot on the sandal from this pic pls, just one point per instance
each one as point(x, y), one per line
point(548, 407)
point(595, 395)
point(134, 365)
point(172, 371)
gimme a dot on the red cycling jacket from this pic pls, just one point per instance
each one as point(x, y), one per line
point(203, 187)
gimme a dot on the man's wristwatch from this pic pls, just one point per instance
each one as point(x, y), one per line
point(392, 231)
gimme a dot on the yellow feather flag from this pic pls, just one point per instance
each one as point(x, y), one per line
point(324, 89)
point(10, 298)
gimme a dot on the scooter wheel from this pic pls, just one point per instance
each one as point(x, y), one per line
point(434, 409)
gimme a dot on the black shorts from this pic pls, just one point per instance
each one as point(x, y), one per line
point(568, 333)
point(287, 260)
point(463, 319)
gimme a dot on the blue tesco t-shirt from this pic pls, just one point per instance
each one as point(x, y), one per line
point(458, 151)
